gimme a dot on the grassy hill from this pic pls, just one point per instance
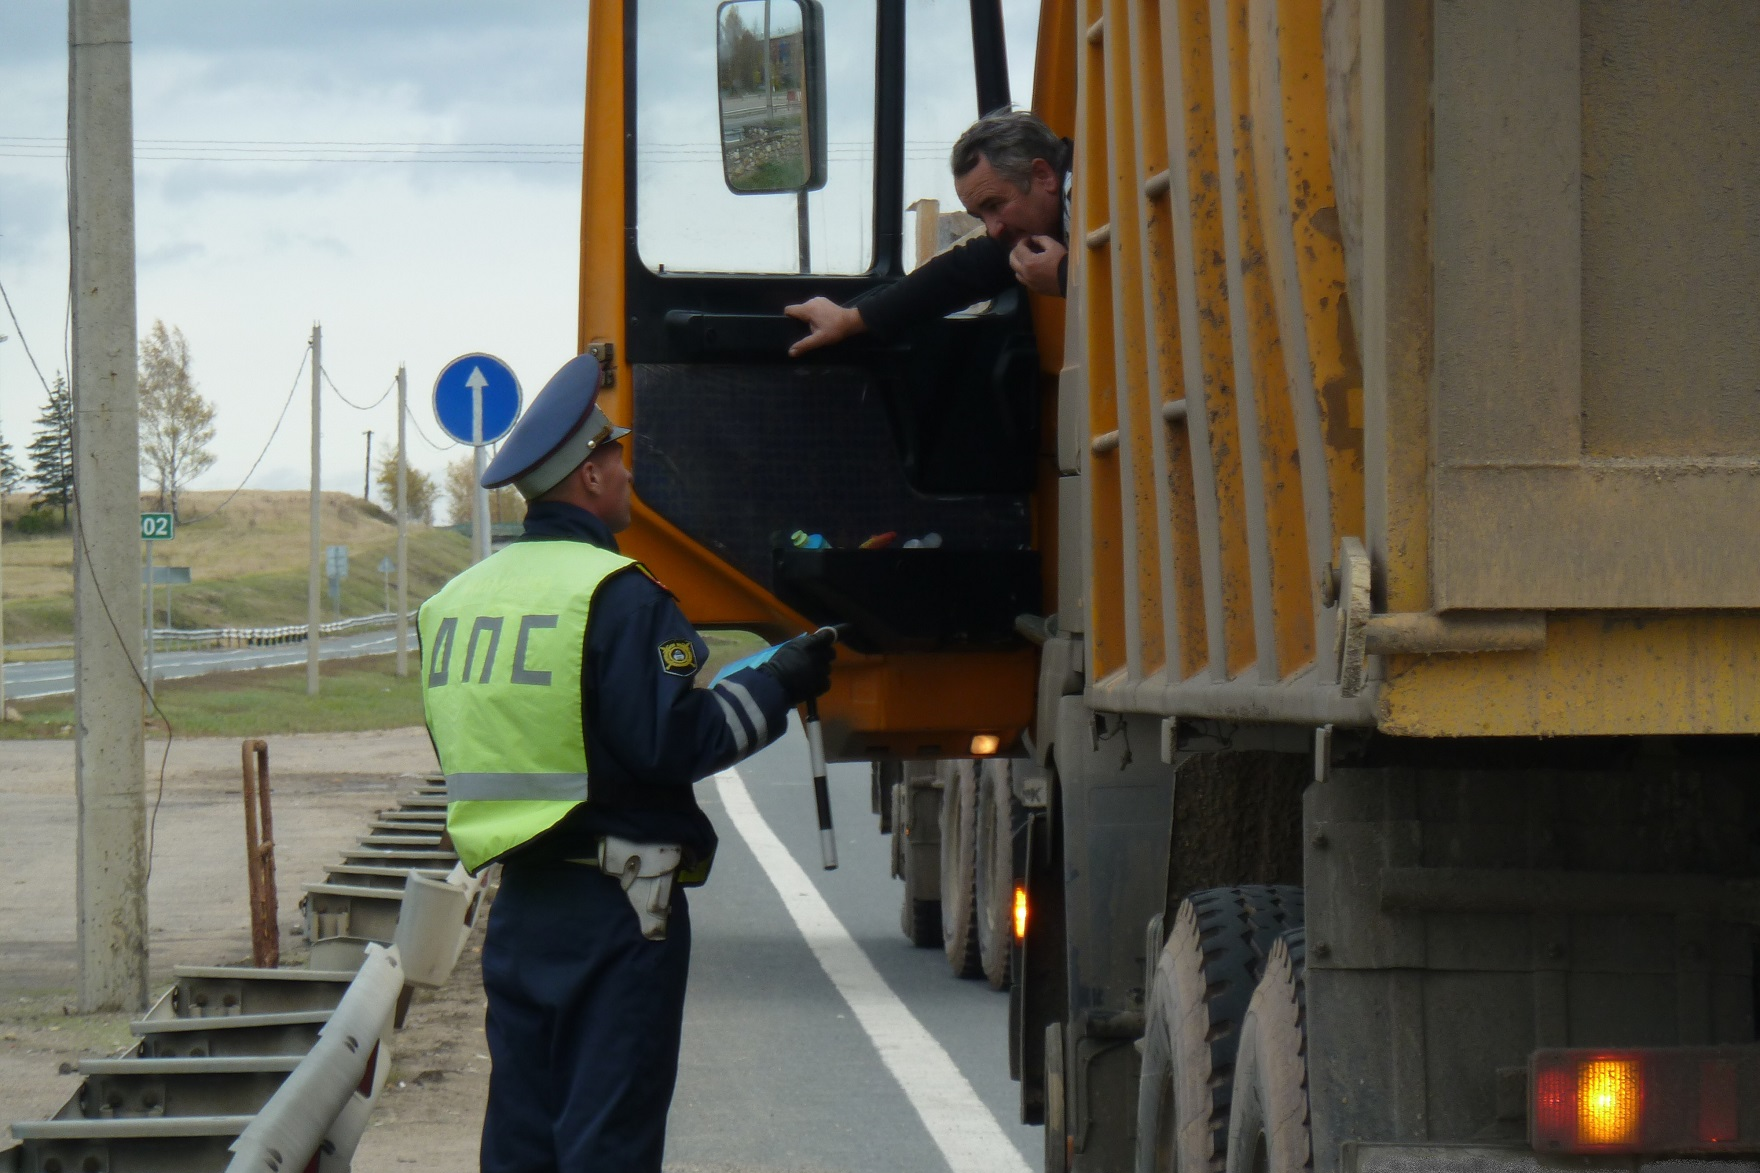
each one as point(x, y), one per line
point(247, 563)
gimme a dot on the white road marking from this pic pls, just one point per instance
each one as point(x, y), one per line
point(961, 1126)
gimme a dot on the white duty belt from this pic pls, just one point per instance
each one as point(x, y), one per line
point(645, 870)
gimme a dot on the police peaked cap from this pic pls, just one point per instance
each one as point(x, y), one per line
point(561, 428)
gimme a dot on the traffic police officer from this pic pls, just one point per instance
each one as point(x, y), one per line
point(558, 684)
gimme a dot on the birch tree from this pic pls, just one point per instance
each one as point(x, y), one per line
point(177, 424)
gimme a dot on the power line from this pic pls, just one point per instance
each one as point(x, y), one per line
point(388, 152)
point(22, 341)
point(369, 407)
point(424, 435)
point(304, 355)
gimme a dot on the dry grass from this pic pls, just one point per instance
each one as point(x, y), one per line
point(247, 562)
point(259, 533)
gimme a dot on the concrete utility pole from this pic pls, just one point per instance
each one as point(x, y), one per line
point(108, 749)
point(3, 338)
point(315, 577)
point(402, 525)
point(367, 476)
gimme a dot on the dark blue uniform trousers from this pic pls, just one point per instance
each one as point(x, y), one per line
point(583, 1024)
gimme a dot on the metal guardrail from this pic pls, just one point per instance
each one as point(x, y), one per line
point(261, 1070)
point(189, 639)
point(289, 1129)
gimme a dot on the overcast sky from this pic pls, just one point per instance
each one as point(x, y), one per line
point(301, 163)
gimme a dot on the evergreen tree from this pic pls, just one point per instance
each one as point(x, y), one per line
point(51, 451)
point(11, 475)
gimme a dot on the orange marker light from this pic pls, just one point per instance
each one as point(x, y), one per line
point(1671, 1101)
point(1609, 1099)
point(985, 744)
point(1020, 912)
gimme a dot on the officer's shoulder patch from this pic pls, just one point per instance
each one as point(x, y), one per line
point(678, 657)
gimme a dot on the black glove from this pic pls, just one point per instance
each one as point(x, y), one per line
point(802, 666)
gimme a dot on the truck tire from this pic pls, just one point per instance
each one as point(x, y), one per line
point(1203, 983)
point(959, 821)
point(993, 871)
point(1268, 1131)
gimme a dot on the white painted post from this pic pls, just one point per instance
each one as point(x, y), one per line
point(150, 648)
point(108, 748)
point(479, 495)
point(402, 525)
point(314, 579)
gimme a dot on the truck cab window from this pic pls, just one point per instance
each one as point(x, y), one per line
point(699, 212)
point(940, 102)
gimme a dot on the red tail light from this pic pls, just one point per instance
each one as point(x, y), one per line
point(1659, 1100)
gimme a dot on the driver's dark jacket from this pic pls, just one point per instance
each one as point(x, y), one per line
point(964, 275)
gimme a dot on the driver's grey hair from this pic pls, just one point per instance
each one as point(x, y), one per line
point(1010, 140)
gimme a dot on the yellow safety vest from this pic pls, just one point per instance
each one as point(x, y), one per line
point(502, 647)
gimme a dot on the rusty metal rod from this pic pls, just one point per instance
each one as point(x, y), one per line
point(259, 855)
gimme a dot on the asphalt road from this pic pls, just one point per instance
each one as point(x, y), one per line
point(27, 680)
point(816, 1037)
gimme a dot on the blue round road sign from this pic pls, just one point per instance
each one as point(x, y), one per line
point(457, 388)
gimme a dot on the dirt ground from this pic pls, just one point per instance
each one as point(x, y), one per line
point(326, 788)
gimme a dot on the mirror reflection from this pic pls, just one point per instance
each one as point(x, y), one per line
point(767, 106)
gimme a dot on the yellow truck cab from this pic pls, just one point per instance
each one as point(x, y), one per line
point(1329, 706)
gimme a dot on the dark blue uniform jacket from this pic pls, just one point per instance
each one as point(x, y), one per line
point(649, 732)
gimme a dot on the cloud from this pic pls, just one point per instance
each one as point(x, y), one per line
point(170, 254)
point(31, 212)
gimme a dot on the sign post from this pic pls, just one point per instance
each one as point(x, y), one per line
point(336, 567)
point(386, 567)
point(476, 400)
point(155, 527)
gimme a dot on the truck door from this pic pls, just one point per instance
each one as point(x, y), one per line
point(746, 155)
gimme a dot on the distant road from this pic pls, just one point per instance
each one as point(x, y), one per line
point(27, 681)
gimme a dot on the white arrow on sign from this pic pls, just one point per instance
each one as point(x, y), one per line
point(476, 383)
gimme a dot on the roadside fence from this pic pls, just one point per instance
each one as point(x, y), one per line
point(192, 639)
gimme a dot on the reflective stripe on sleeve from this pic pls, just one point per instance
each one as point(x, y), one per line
point(760, 727)
point(740, 741)
point(516, 788)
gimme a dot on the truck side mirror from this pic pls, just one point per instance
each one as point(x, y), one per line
point(770, 73)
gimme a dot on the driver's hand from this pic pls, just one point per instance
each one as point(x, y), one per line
point(1035, 261)
point(829, 323)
